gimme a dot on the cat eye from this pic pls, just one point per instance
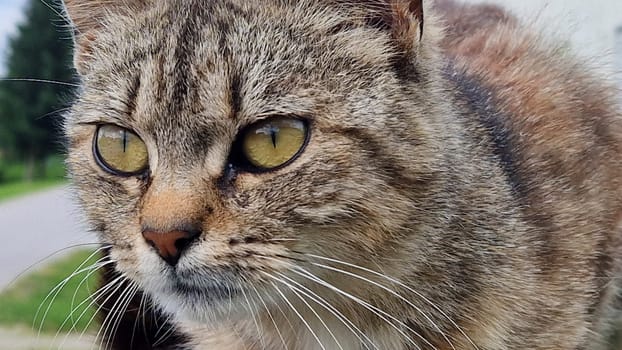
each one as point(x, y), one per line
point(274, 142)
point(120, 151)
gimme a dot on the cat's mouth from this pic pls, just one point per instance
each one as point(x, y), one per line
point(206, 293)
point(209, 288)
point(199, 299)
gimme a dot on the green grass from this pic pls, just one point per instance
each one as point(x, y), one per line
point(19, 303)
point(16, 189)
point(53, 167)
point(12, 174)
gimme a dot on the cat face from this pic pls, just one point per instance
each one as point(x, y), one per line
point(190, 85)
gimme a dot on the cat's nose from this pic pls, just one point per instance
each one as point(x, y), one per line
point(170, 245)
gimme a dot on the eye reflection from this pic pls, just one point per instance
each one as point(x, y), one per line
point(120, 151)
point(274, 142)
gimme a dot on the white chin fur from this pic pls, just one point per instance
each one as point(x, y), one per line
point(193, 311)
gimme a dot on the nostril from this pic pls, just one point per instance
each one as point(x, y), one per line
point(170, 245)
point(182, 243)
point(151, 243)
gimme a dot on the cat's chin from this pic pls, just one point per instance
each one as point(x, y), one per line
point(206, 304)
point(199, 309)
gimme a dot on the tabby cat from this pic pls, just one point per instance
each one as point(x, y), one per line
point(339, 174)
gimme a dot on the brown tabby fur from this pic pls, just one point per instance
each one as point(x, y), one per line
point(479, 165)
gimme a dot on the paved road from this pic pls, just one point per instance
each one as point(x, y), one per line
point(35, 226)
point(23, 339)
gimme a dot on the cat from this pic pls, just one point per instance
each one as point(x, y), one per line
point(329, 174)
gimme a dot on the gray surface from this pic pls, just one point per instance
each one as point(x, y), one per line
point(23, 339)
point(35, 226)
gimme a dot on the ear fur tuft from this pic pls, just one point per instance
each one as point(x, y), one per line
point(407, 22)
point(86, 17)
point(403, 18)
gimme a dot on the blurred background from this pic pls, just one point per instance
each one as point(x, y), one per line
point(38, 220)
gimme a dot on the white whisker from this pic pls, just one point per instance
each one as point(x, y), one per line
point(316, 315)
point(58, 288)
point(101, 264)
point(276, 327)
point(299, 316)
point(108, 320)
point(77, 307)
point(102, 290)
point(399, 296)
point(45, 81)
point(31, 266)
point(326, 305)
point(399, 283)
point(254, 313)
point(140, 307)
point(122, 310)
point(167, 333)
point(375, 310)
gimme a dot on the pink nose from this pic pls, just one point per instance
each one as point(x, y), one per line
point(170, 245)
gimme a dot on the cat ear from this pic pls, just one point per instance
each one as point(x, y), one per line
point(404, 18)
point(86, 17)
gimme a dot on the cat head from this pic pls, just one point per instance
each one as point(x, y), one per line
point(219, 147)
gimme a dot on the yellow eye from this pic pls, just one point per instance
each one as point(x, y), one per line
point(120, 151)
point(274, 142)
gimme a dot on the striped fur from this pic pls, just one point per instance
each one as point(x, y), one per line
point(463, 175)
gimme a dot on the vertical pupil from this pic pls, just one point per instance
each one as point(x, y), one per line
point(273, 131)
point(124, 140)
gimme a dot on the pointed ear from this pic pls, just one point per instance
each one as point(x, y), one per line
point(407, 21)
point(403, 18)
point(87, 16)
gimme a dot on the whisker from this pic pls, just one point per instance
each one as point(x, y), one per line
point(115, 315)
point(122, 310)
point(58, 288)
point(102, 290)
point(148, 307)
point(91, 300)
point(317, 316)
point(53, 112)
point(54, 293)
point(108, 319)
point(101, 263)
point(252, 311)
point(375, 310)
point(326, 305)
point(58, 13)
point(30, 267)
point(401, 284)
point(43, 81)
point(276, 327)
point(399, 296)
point(140, 307)
point(299, 315)
point(166, 334)
point(76, 308)
point(285, 315)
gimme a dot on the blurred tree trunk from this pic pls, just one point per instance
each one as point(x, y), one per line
point(30, 168)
